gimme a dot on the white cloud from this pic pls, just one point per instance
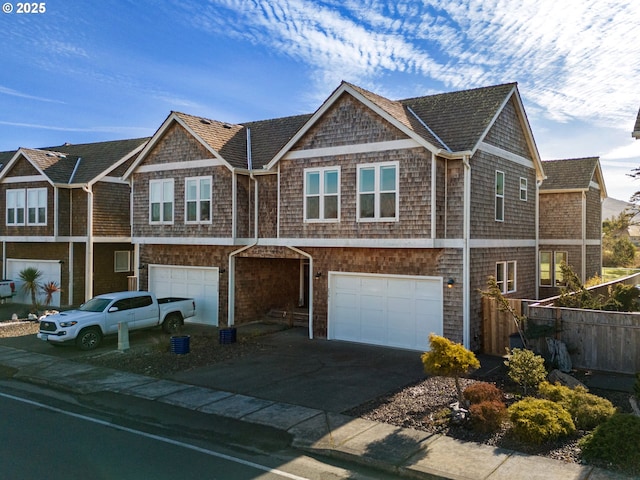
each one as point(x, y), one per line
point(15, 93)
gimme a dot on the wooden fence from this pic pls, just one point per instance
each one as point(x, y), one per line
point(497, 325)
point(596, 340)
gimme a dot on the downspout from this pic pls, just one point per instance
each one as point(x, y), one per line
point(466, 232)
point(232, 260)
point(584, 238)
point(297, 250)
point(433, 196)
point(537, 223)
point(88, 275)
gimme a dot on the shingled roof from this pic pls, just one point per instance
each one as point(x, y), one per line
point(81, 163)
point(636, 129)
point(572, 174)
point(461, 118)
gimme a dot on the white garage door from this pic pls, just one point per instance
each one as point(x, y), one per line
point(397, 311)
point(199, 283)
point(50, 273)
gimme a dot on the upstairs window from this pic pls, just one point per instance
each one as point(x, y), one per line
point(378, 192)
point(161, 201)
point(499, 196)
point(523, 189)
point(198, 200)
point(322, 194)
point(27, 206)
point(506, 276)
point(122, 261)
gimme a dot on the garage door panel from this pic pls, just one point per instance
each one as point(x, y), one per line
point(399, 311)
point(199, 283)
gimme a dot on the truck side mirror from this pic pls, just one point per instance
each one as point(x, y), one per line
point(113, 309)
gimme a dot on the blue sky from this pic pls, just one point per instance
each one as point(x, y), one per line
point(92, 71)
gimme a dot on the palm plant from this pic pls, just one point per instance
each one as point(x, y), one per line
point(50, 289)
point(31, 277)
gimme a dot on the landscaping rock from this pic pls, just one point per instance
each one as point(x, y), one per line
point(556, 376)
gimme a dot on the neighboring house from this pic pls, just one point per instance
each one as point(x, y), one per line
point(570, 221)
point(67, 213)
point(385, 218)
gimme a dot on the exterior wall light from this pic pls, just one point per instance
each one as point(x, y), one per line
point(450, 283)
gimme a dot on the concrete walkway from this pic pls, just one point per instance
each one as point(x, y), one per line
point(405, 452)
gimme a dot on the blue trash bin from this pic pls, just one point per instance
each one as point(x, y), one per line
point(180, 344)
point(227, 336)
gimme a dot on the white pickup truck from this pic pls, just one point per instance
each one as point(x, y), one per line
point(7, 289)
point(101, 315)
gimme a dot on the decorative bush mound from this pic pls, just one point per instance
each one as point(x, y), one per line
point(586, 409)
point(526, 368)
point(537, 420)
point(482, 392)
point(488, 415)
point(449, 359)
point(615, 442)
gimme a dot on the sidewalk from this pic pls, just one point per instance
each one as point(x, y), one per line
point(406, 452)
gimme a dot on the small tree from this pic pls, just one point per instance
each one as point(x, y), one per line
point(525, 368)
point(448, 359)
point(31, 277)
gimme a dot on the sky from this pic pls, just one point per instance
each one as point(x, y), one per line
point(78, 71)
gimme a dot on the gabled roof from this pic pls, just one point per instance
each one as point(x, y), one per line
point(461, 119)
point(636, 128)
point(575, 174)
point(77, 164)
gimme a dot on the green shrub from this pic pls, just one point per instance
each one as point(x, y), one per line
point(448, 359)
point(586, 409)
point(615, 442)
point(537, 420)
point(482, 392)
point(525, 368)
point(487, 415)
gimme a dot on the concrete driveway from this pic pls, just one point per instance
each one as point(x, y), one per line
point(328, 375)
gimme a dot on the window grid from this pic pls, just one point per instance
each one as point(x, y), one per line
point(26, 206)
point(377, 186)
point(523, 189)
point(322, 194)
point(161, 201)
point(506, 276)
point(499, 190)
point(198, 200)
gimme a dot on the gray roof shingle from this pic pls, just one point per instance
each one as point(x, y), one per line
point(569, 174)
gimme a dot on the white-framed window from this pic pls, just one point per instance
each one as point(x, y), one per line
point(27, 206)
point(550, 268)
point(322, 194)
point(197, 202)
point(523, 189)
point(506, 276)
point(161, 201)
point(377, 186)
point(122, 261)
point(499, 196)
point(16, 206)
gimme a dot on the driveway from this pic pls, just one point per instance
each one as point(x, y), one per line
point(328, 375)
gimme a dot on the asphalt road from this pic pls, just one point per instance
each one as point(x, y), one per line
point(58, 438)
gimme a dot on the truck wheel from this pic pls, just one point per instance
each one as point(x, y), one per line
point(89, 338)
point(172, 323)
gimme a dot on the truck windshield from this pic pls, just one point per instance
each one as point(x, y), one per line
point(95, 305)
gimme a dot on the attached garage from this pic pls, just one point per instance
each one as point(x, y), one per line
point(391, 310)
point(50, 273)
point(199, 283)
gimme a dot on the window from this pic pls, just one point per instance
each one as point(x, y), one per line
point(378, 191)
point(27, 206)
point(122, 261)
point(506, 276)
point(161, 201)
point(322, 194)
point(550, 271)
point(499, 196)
point(198, 200)
point(523, 189)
